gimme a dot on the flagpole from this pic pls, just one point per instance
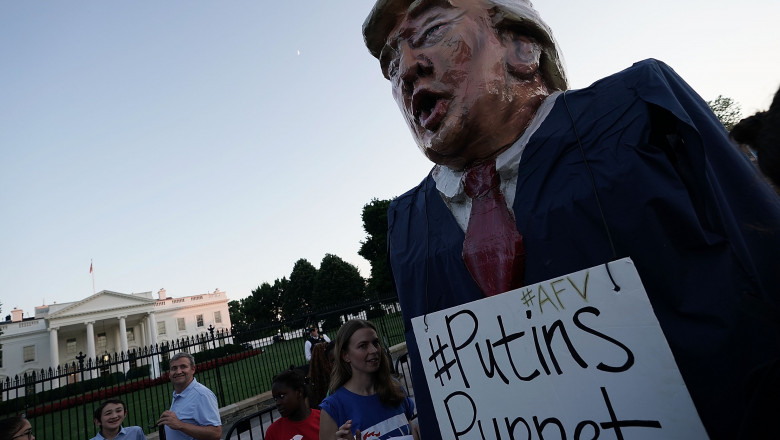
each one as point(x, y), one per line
point(92, 272)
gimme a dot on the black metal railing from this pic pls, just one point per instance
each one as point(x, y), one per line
point(252, 426)
point(235, 365)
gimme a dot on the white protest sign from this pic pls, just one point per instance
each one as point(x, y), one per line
point(568, 358)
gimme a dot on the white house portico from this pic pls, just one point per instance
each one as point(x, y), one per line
point(98, 324)
point(103, 324)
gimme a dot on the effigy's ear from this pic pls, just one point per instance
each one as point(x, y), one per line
point(522, 53)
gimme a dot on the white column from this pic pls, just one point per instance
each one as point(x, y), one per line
point(147, 333)
point(91, 341)
point(142, 333)
point(123, 342)
point(54, 348)
point(151, 324)
point(117, 342)
point(153, 328)
point(123, 334)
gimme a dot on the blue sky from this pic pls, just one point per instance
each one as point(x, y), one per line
point(195, 145)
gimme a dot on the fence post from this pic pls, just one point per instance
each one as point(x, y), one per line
point(217, 367)
point(386, 339)
point(81, 358)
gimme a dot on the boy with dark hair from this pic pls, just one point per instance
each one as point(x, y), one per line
point(109, 417)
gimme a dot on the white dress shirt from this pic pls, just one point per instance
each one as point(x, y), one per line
point(450, 182)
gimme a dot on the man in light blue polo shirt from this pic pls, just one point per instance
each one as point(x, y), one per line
point(194, 412)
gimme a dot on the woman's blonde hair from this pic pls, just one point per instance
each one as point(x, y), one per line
point(388, 389)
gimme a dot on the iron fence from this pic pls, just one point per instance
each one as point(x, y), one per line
point(236, 365)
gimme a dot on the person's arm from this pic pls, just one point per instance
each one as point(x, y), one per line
point(329, 430)
point(307, 350)
point(327, 339)
point(328, 426)
point(169, 419)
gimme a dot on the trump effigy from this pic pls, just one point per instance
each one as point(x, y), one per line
point(534, 181)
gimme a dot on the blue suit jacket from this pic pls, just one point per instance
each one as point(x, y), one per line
point(700, 224)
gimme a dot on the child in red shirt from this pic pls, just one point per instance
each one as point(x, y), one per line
point(298, 421)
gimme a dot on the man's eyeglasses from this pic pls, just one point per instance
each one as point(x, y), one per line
point(28, 434)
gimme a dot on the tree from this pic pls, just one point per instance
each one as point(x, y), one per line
point(374, 248)
point(297, 298)
point(264, 307)
point(237, 316)
point(336, 282)
point(727, 110)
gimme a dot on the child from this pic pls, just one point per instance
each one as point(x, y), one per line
point(298, 420)
point(364, 396)
point(109, 417)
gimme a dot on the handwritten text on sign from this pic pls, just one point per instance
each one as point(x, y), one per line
point(566, 358)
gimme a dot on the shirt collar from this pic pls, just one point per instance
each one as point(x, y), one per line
point(120, 433)
point(189, 387)
point(450, 182)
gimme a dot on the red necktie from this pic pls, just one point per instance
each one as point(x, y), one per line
point(493, 249)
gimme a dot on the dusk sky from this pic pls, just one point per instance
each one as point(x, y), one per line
point(195, 145)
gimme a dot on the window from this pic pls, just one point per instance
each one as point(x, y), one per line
point(166, 354)
point(70, 345)
point(218, 317)
point(28, 353)
point(161, 328)
point(180, 323)
point(105, 364)
point(199, 319)
point(101, 340)
point(130, 335)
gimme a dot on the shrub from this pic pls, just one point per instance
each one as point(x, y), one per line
point(375, 312)
point(136, 372)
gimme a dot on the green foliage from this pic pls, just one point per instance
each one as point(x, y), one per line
point(331, 322)
point(374, 248)
point(73, 389)
point(297, 298)
point(275, 305)
point(375, 312)
point(337, 281)
point(237, 316)
point(263, 307)
point(140, 371)
point(727, 110)
point(216, 353)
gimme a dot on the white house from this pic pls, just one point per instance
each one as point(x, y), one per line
point(104, 323)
